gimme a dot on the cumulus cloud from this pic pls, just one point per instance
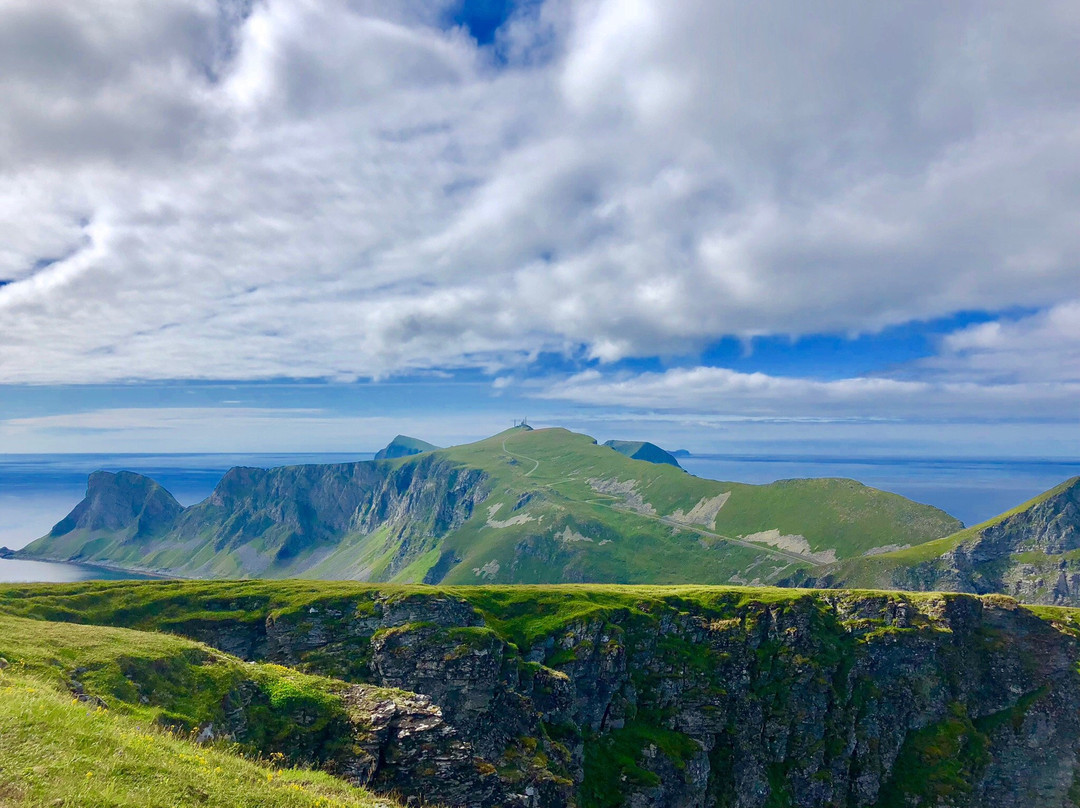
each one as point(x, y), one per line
point(1040, 347)
point(333, 189)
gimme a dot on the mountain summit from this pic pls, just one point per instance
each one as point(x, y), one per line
point(404, 446)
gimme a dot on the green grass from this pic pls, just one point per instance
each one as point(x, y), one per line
point(167, 681)
point(617, 758)
point(56, 751)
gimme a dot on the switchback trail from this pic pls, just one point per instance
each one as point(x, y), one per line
point(523, 457)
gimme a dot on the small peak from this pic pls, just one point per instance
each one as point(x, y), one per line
point(404, 446)
point(642, 450)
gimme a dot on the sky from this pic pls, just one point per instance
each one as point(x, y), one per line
point(308, 225)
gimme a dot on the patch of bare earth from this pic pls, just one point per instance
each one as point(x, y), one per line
point(704, 513)
point(626, 490)
point(792, 543)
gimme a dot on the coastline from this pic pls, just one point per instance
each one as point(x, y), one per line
point(155, 574)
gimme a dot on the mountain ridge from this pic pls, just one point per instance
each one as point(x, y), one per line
point(643, 450)
point(523, 506)
point(1031, 552)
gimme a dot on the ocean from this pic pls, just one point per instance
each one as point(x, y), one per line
point(36, 491)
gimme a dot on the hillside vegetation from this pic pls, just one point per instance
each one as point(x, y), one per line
point(642, 450)
point(541, 696)
point(524, 506)
point(93, 716)
point(1031, 552)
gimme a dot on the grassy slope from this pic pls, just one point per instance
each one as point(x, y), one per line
point(877, 571)
point(839, 514)
point(568, 531)
point(642, 450)
point(57, 750)
point(180, 683)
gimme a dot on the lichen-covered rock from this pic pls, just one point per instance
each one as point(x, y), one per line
point(404, 746)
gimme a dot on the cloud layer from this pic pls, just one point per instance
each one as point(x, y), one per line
point(728, 394)
point(341, 190)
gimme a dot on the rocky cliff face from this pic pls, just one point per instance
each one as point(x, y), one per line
point(298, 509)
point(1030, 555)
point(123, 502)
point(650, 700)
point(270, 522)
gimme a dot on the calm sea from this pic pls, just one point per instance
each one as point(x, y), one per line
point(36, 491)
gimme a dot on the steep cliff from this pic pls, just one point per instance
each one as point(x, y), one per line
point(1031, 552)
point(525, 506)
point(129, 509)
point(675, 697)
point(349, 520)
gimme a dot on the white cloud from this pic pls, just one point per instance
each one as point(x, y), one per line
point(726, 394)
point(340, 190)
point(1040, 347)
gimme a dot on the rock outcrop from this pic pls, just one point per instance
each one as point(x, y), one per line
point(122, 502)
point(270, 522)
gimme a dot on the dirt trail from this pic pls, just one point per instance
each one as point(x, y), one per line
point(523, 457)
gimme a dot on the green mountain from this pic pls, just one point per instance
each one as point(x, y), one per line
point(524, 506)
point(146, 694)
point(642, 450)
point(1031, 552)
point(403, 446)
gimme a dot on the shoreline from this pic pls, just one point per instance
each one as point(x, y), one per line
point(150, 574)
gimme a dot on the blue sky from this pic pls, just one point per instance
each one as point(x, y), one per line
point(285, 226)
